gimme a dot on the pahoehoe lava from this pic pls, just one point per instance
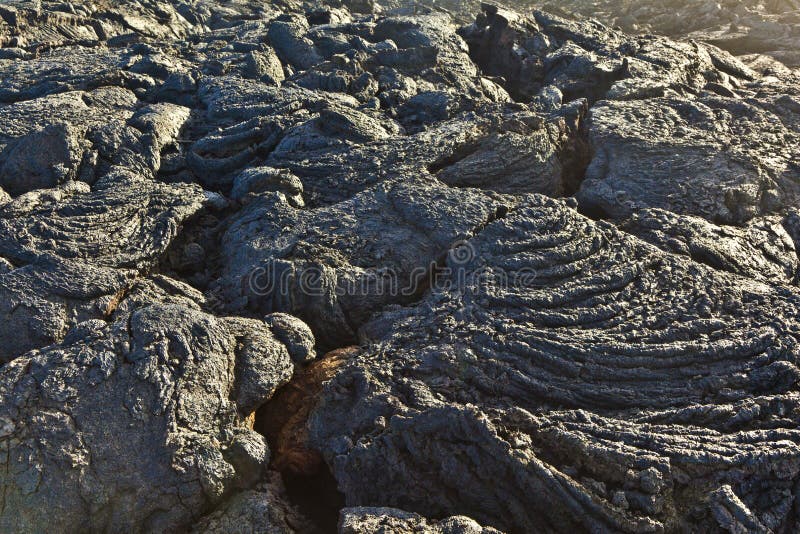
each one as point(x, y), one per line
point(399, 266)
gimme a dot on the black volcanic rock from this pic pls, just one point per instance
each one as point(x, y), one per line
point(138, 424)
point(460, 268)
point(126, 221)
point(263, 509)
point(336, 266)
point(763, 250)
point(614, 387)
point(40, 302)
point(367, 520)
point(723, 159)
point(739, 27)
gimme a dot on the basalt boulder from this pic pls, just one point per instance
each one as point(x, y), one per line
point(140, 424)
point(367, 520)
point(123, 221)
point(91, 133)
point(336, 266)
point(584, 58)
point(82, 110)
point(722, 159)
point(265, 508)
point(42, 301)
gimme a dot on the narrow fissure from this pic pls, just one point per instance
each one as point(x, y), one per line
point(283, 420)
point(575, 156)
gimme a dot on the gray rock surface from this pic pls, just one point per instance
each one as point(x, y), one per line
point(125, 221)
point(762, 250)
point(386, 520)
point(575, 377)
point(738, 27)
point(680, 126)
point(459, 268)
point(720, 158)
point(336, 266)
point(42, 160)
point(139, 424)
point(262, 510)
point(295, 334)
point(158, 289)
point(40, 302)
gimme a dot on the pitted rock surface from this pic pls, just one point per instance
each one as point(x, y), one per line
point(365, 520)
point(723, 159)
point(265, 508)
point(336, 266)
point(460, 267)
point(169, 386)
